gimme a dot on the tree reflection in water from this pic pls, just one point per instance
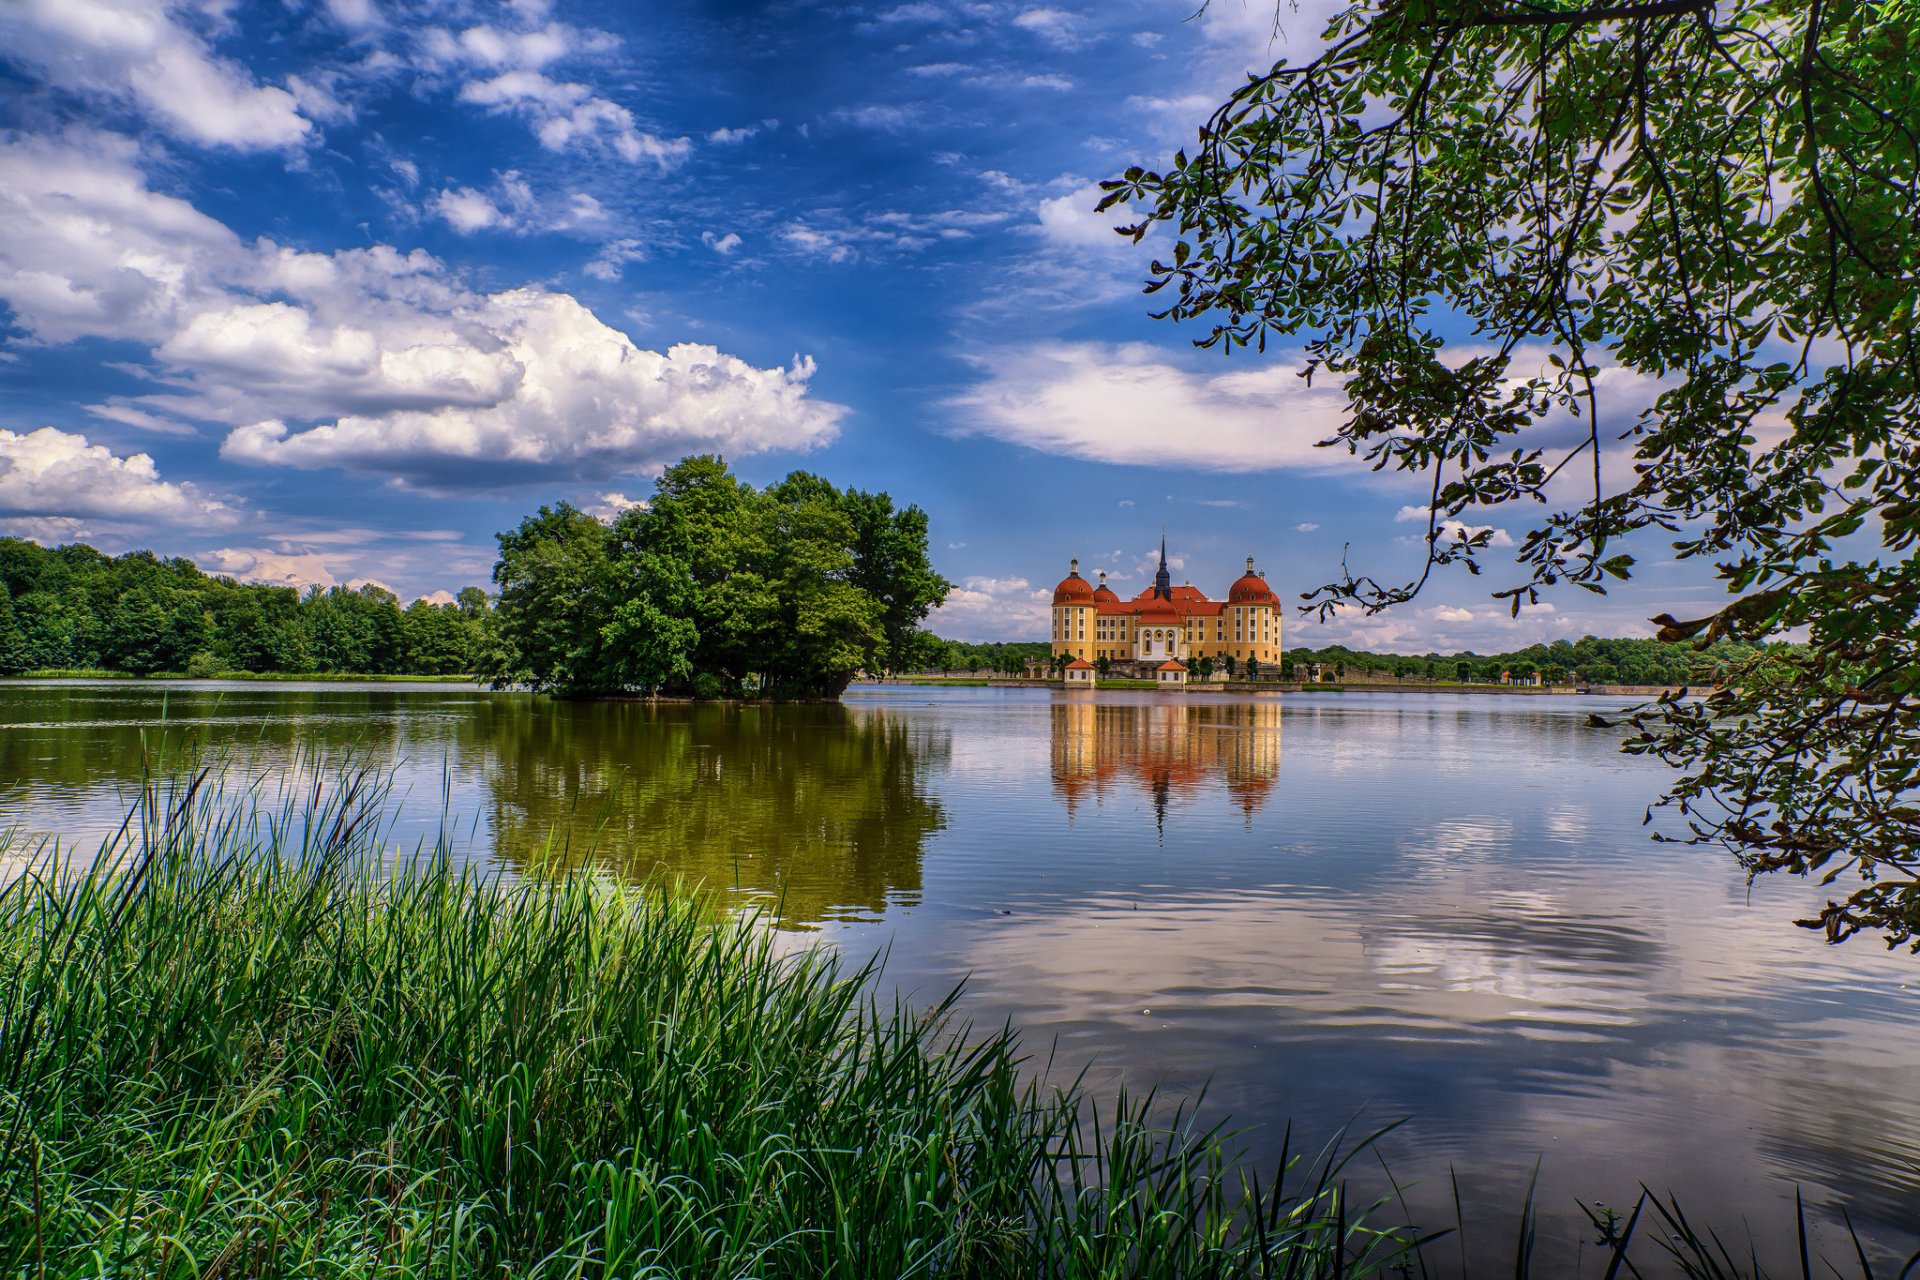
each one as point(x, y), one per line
point(819, 809)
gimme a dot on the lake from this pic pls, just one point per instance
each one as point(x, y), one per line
point(1318, 908)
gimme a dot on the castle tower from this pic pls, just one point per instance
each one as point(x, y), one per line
point(1074, 629)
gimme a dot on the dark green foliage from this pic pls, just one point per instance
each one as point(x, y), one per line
point(713, 588)
point(75, 609)
point(1000, 657)
point(1594, 660)
point(1484, 220)
point(13, 646)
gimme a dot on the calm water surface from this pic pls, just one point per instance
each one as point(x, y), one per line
point(1316, 907)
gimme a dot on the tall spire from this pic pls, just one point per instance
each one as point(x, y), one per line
point(1163, 581)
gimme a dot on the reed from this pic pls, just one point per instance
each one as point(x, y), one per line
point(245, 1040)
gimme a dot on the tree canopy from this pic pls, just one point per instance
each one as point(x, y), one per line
point(714, 588)
point(73, 608)
point(1489, 220)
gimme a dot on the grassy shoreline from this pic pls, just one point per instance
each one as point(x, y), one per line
point(247, 1041)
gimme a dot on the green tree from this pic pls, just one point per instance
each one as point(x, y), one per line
point(13, 645)
point(554, 603)
point(1716, 199)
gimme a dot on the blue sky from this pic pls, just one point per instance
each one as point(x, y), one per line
point(332, 290)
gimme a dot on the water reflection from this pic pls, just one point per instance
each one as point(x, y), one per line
point(821, 812)
point(1172, 749)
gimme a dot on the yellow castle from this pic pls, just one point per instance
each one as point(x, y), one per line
point(1166, 624)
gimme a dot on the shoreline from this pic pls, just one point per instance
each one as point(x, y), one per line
point(1283, 686)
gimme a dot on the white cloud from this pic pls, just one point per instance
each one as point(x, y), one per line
point(355, 15)
point(722, 245)
point(142, 54)
point(833, 245)
point(881, 117)
point(54, 473)
point(510, 205)
point(493, 47)
point(366, 357)
point(613, 258)
point(567, 114)
point(1128, 403)
point(1449, 613)
point(468, 211)
point(129, 416)
point(580, 398)
point(1306, 527)
point(987, 608)
point(1056, 26)
point(1454, 530)
point(608, 505)
point(725, 137)
point(916, 11)
point(299, 570)
point(1070, 222)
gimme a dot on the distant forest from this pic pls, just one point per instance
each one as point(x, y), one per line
point(1595, 660)
point(73, 608)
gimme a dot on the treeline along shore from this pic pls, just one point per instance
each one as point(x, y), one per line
point(75, 610)
point(1628, 665)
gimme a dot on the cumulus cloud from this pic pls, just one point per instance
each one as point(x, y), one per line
point(575, 396)
point(986, 608)
point(468, 211)
point(146, 56)
point(300, 569)
point(609, 505)
point(365, 358)
point(1129, 403)
point(57, 474)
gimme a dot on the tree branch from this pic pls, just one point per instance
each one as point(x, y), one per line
point(1604, 13)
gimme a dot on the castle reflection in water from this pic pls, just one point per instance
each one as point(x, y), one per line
point(1170, 749)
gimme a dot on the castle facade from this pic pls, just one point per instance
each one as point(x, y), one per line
point(1166, 624)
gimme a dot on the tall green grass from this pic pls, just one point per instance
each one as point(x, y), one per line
point(245, 1041)
point(240, 1043)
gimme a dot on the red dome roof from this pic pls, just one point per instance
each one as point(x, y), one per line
point(1104, 594)
point(1251, 588)
point(1073, 588)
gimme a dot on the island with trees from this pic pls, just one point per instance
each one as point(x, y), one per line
point(713, 588)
